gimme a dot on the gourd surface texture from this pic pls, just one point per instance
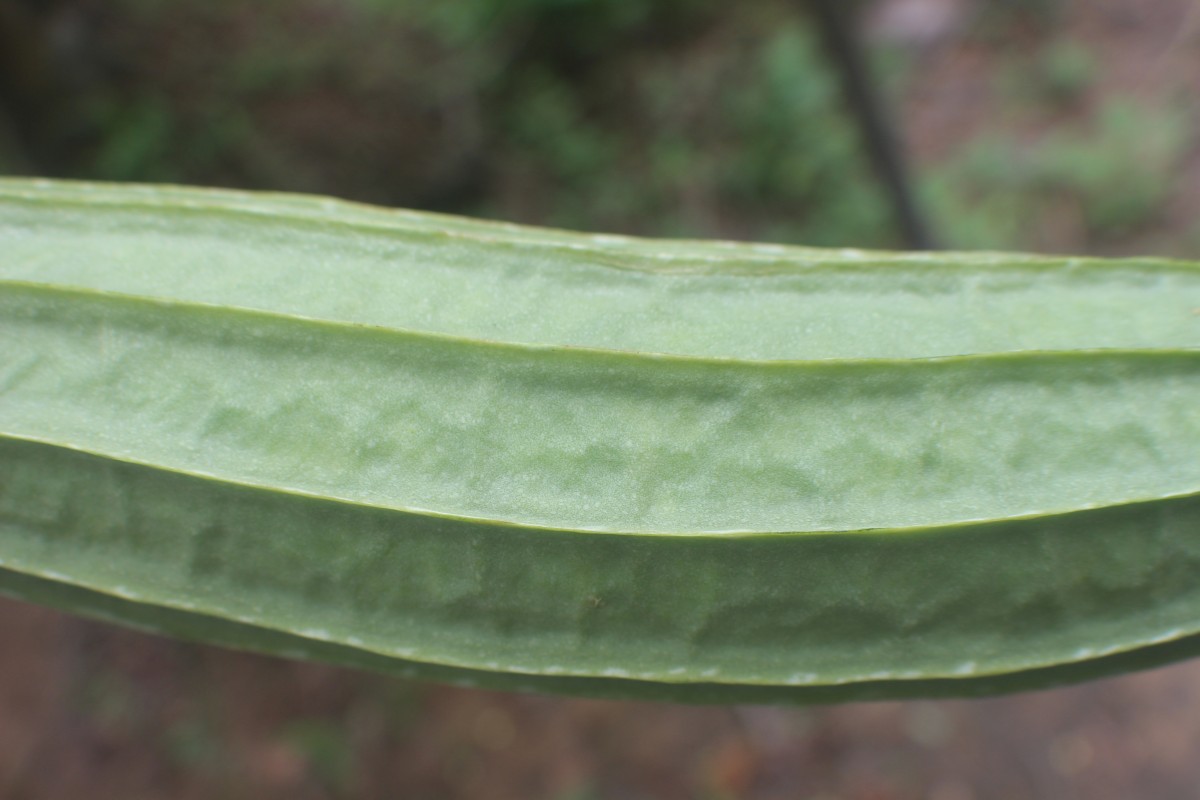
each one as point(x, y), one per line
point(529, 459)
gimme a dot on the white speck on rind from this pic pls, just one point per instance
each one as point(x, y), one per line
point(1167, 636)
point(769, 248)
point(802, 679)
point(614, 672)
point(677, 671)
point(610, 238)
point(965, 668)
point(553, 669)
point(55, 576)
point(712, 672)
point(1083, 652)
point(354, 641)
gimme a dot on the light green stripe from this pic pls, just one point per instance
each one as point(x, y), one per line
point(419, 272)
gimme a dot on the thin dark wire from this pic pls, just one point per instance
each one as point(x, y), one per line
point(878, 134)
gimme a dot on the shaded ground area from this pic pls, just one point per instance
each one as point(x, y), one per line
point(1065, 126)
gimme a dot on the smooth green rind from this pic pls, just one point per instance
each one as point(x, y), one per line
point(329, 260)
point(448, 448)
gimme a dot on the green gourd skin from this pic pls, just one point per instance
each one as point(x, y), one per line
point(532, 459)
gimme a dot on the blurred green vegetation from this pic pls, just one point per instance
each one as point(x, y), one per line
point(1099, 180)
point(675, 117)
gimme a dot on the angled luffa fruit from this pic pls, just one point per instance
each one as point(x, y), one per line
point(523, 458)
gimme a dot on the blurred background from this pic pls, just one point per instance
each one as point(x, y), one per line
point(1046, 125)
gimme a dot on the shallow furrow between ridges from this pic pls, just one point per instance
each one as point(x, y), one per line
point(300, 399)
point(504, 526)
